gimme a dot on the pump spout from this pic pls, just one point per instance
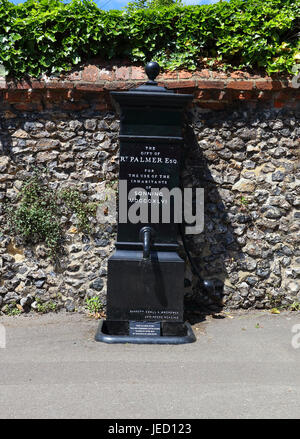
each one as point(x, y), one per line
point(146, 234)
point(146, 244)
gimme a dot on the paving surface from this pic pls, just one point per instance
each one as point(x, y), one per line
point(242, 366)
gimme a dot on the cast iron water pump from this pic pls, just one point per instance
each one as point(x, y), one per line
point(145, 273)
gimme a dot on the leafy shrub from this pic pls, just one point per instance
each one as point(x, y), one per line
point(41, 36)
point(36, 216)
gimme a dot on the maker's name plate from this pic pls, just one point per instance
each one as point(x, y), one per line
point(144, 329)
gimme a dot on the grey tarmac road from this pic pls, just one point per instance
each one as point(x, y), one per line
point(242, 366)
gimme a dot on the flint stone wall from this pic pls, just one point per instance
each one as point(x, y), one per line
point(243, 150)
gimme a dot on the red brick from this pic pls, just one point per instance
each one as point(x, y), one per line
point(279, 104)
point(77, 95)
point(284, 94)
point(106, 74)
point(122, 73)
point(211, 84)
point(56, 95)
point(244, 95)
point(118, 85)
point(268, 85)
point(20, 85)
point(74, 76)
point(264, 95)
point(252, 76)
point(37, 84)
point(219, 75)
point(265, 77)
point(29, 107)
point(35, 95)
point(239, 74)
point(240, 85)
point(86, 96)
point(89, 87)
point(205, 73)
point(184, 74)
point(48, 105)
point(212, 105)
point(16, 96)
point(165, 76)
point(39, 107)
point(90, 73)
point(186, 91)
point(101, 106)
point(241, 95)
point(22, 106)
point(181, 84)
point(138, 73)
point(225, 95)
point(59, 85)
point(203, 94)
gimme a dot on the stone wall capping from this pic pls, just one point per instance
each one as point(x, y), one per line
point(216, 89)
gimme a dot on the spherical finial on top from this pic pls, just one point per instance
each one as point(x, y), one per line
point(152, 69)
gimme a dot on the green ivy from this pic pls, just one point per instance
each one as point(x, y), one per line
point(48, 36)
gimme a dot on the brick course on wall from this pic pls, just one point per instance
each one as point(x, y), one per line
point(90, 87)
point(242, 147)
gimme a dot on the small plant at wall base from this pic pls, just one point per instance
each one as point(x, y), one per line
point(12, 310)
point(94, 306)
point(295, 306)
point(43, 308)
